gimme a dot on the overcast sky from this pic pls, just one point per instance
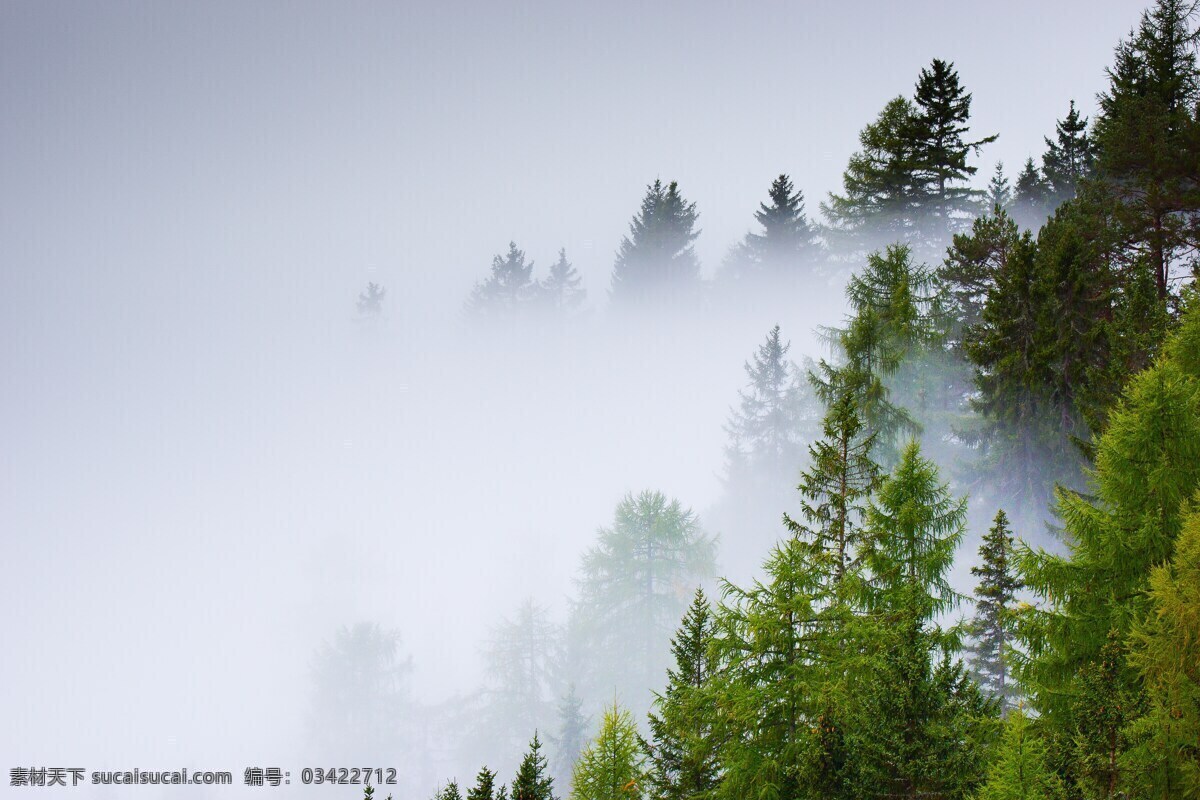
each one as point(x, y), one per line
point(203, 470)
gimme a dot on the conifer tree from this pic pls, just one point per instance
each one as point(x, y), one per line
point(682, 751)
point(764, 430)
point(939, 123)
point(449, 792)
point(533, 781)
point(370, 302)
point(610, 768)
point(1031, 197)
point(485, 786)
point(969, 272)
point(1021, 769)
point(999, 191)
point(571, 738)
point(632, 591)
point(1069, 158)
point(656, 262)
point(508, 288)
point(991, 628)
point(787, 247)
point(561, 291)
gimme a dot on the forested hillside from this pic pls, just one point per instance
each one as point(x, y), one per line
point(1019, 368)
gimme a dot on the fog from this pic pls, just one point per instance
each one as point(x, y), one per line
point(211, 461)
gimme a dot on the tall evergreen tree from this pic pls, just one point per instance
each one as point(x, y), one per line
point(1069, 158)
point(969, 271)
point(991, 629)
point(682, 751)
point(787, 248)
point(533, 781)
point(656, 262)
point(939, 123)
point(610, 768)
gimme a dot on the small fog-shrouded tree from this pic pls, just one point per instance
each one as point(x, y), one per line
point(571, 736)
point(610, 768)
point(360, 691)
point(370, 301)
point(520, 658)
point(561, 291)
point(999, 191)
point(1021, 768)
point(508, 289)
point(991, 629)
point(533, 780)
point(682, 752)
point(656, 264)
point(766, 429)
point(1031, 197)
point(634, 586)
point(786, 249)
point(1069, 158)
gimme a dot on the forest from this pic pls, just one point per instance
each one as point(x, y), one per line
point(1021, 360)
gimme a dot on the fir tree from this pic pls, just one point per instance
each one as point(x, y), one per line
point(656, 262)
point(991, 628)
point(764, 430)
point(448, 792)
point(682, 752)
point(1069, 158)
point(611, 766)
point(532, 781)
point(787, 246)
point(939, 122)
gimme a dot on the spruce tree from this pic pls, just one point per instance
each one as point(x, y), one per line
point(999, 191)
point(571, 738)
point(992, 627)
point(449, 792)
point(485, 786)
point(1069, 158)
point(764, 430)
point(533, 781)
point(939, 123)
point(610, 768)
point(1031, 197)
point(787, 248)
point(682, 751)
point(969, 271)
point(656, 262)
point(370, 302)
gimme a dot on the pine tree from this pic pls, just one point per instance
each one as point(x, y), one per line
point(571, 738)
point(1068, 159)
point(633, 588)
point(611, 766)
point(532, 781)
point(485, 786)
point(1021, 768)
point(991, 628)
point(1031, 197)
point(561, 291)
point(682, 752)
point(969, 272)
point(656, 262)
point(508, 288)
point(448, 792)
point(939, 122)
